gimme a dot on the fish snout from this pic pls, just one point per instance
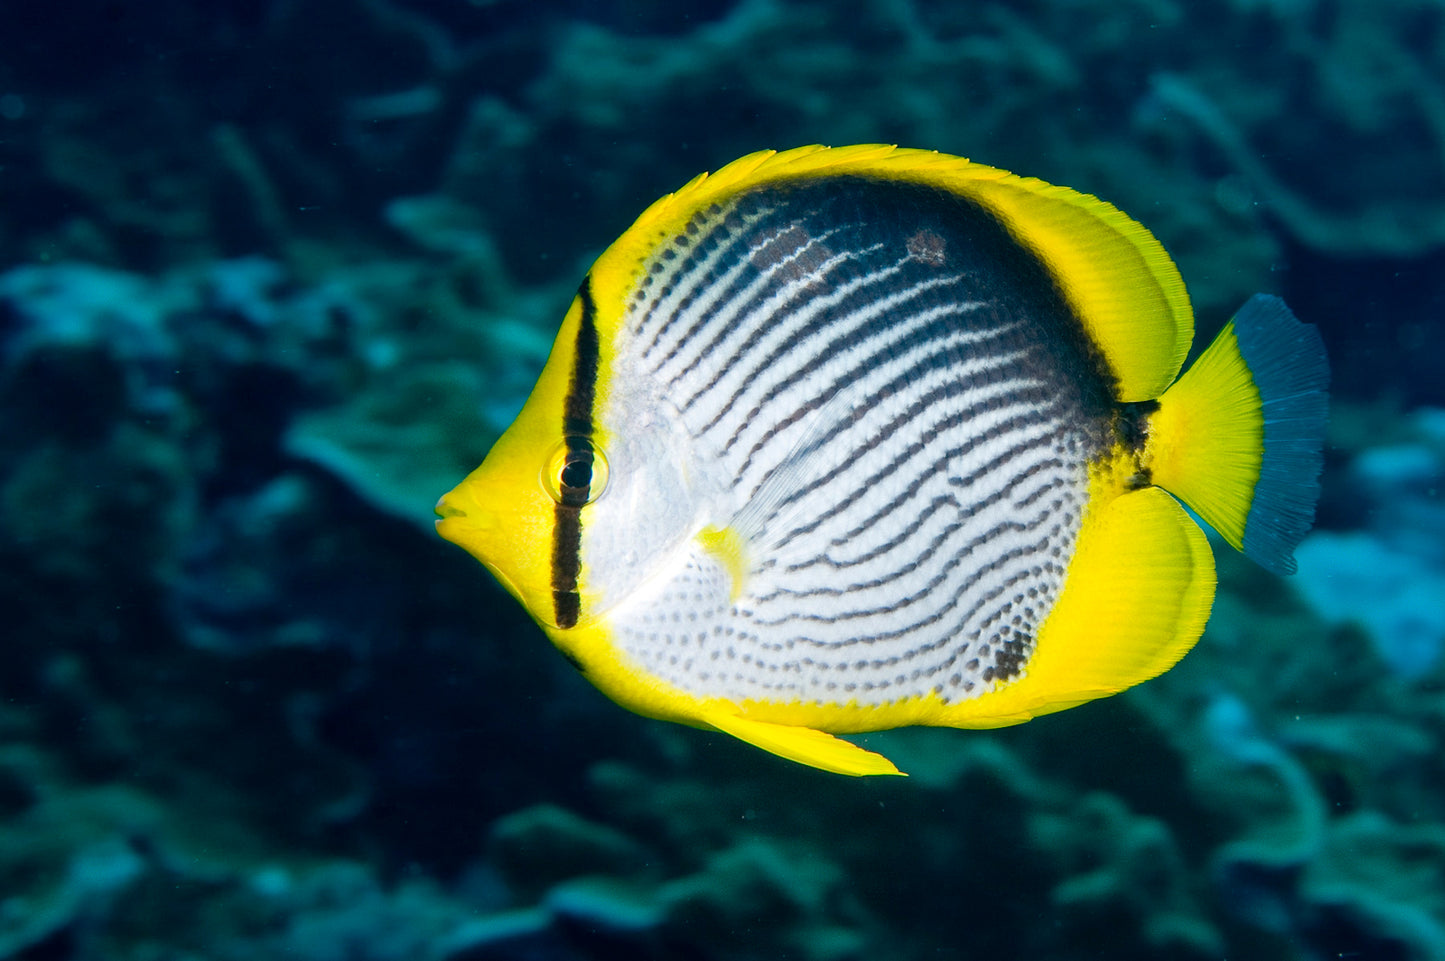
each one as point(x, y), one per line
point(460, 519)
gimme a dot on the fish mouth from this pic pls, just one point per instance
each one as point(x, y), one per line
point(445, 509)
point(456, 525)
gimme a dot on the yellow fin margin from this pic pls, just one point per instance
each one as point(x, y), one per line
point(1136, 600)
point(1113, 272)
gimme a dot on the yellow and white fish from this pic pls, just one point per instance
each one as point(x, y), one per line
point(841, 440)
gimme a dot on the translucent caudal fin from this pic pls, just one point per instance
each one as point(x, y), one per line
point(1239, 437)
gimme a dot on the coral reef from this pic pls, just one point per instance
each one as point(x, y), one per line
point(1389, 577)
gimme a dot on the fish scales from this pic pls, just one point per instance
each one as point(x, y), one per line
point(840, 440)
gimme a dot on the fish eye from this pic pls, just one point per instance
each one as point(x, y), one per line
point(576, 473)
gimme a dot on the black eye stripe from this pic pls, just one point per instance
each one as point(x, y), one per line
point(577, 427)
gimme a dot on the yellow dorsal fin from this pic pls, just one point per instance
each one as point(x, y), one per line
point(1118, 278)
point(803, 744)
point(1138, 594)
point(1112, 271)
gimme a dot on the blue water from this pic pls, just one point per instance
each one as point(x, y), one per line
point(273, 276)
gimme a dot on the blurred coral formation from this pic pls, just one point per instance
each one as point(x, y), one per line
point(275, 274)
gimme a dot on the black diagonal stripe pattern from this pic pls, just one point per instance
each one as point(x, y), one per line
point(949, 402)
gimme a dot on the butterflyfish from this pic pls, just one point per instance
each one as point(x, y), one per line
point(838, 440)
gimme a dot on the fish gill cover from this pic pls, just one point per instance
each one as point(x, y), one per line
point(275, 274)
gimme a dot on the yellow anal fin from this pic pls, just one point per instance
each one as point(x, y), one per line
point(1138, 594)
point(804, 745)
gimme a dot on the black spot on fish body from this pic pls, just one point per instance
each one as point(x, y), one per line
point(1010, 656)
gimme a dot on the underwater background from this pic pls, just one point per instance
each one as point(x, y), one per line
point(275, 273)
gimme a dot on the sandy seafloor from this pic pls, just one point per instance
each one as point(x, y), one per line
point(275, 273)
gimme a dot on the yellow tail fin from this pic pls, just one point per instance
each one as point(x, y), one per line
point(1239, 436)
